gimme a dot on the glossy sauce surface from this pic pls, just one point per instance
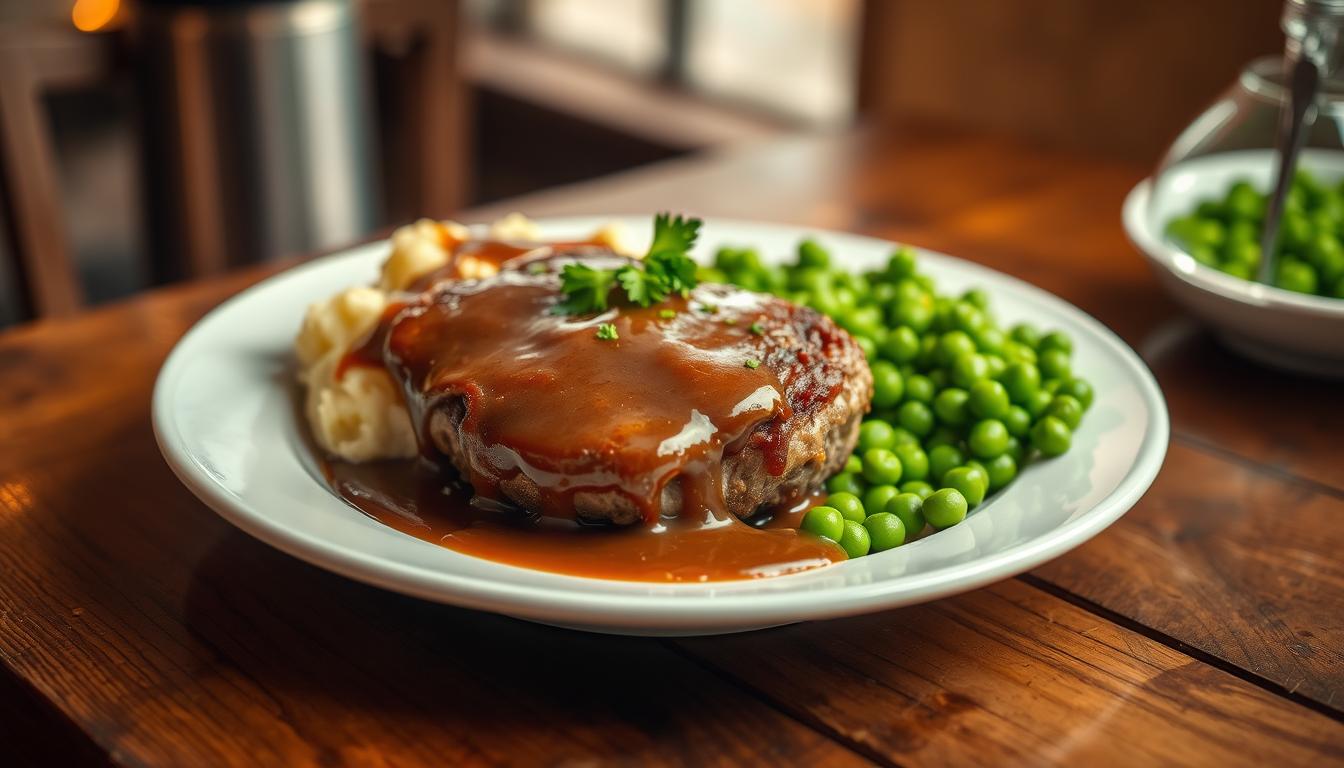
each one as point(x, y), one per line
point(494, 376)
point(429, 503)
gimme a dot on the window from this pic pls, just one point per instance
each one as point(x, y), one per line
point(793, 58)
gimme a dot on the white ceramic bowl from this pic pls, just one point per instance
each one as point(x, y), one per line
point(225, 419)
point(1281, 328)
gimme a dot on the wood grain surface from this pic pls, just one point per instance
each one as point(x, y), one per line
point(1204, 627)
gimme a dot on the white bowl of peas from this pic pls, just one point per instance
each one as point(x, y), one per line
point(1199, 225)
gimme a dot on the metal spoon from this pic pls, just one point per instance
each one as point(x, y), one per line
point(1304, 80)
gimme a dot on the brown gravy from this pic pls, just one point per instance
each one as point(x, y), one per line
point(418, 499)
point(538, 402)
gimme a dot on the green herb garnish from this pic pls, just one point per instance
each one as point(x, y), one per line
point(757, 329)
point(607, 332)
point(667, 314)
point(666, 269)
point(753, 364)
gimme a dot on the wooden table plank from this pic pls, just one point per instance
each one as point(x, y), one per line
point(1011, 675)
point(1232, 560)
point(1053, 219)
point(199, 641)
point(172, 639)
point(164, 636)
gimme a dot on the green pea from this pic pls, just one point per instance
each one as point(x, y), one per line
point(855, 540)
point(954, 344)
point(1014, 449)
point(737, 259)
point(885, 531)
point(846, 482)
point(1015, 352)
point(917, 487)
point(919, 388)
point(812, 280)
point(909, 507)
point(901, 345)
point(1067, 409)
point(995, 366)
point(903, 437)
point(848, 504)
point(989, 340)
point(881, 466)
point(1241, 231)
point(968, 369)
point(875, 500)
point(888, 386)
point(865, 321)
point(1296, 275)
point(915, 313)
point(1243, 271)
point(1038, 402)
point(1017, 420)
point(1051, 436)
point(853, 464)
point(1294, 231)
point(876, 433)
point(1055, 364)
point(1001, 469)
point(942, 459)
point(967, 317)
point(1056, 340)
point(989, 438)
point(945, 508)
point(989, 399)
point(971, 482)
point(902, 263)
point(976, 297)
point(1026, 334)
point(1241, 253)
point(868, 346)
point(1079, 389)
point(916, 417)
point(914, 461)
point(826, 522)
point(1051, 385)
point(1020, 381)
point(952, 406)
point(1244, 202)
point(811, 254)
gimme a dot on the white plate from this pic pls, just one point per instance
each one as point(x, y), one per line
point(225, 421)
point(1281, 328)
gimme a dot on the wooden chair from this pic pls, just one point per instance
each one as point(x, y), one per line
point(1118, 78)
point(34, 60)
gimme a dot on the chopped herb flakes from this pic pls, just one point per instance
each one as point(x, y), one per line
point(753, 364)
point(607, 332)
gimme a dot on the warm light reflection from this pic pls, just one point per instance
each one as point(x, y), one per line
point(92, 15)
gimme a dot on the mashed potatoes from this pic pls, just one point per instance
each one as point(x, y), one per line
point(360, 415)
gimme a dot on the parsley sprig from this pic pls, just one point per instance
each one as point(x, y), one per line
point(666, 269)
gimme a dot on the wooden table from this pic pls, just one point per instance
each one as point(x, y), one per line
point(1205, 627)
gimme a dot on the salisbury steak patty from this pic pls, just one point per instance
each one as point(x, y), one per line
point(725, 401)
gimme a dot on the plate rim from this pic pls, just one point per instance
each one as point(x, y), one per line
point(669, 609)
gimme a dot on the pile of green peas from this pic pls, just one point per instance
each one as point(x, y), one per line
point(1225, 234)
point(959, 404)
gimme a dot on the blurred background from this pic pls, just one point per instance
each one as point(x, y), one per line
point(148, 141)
